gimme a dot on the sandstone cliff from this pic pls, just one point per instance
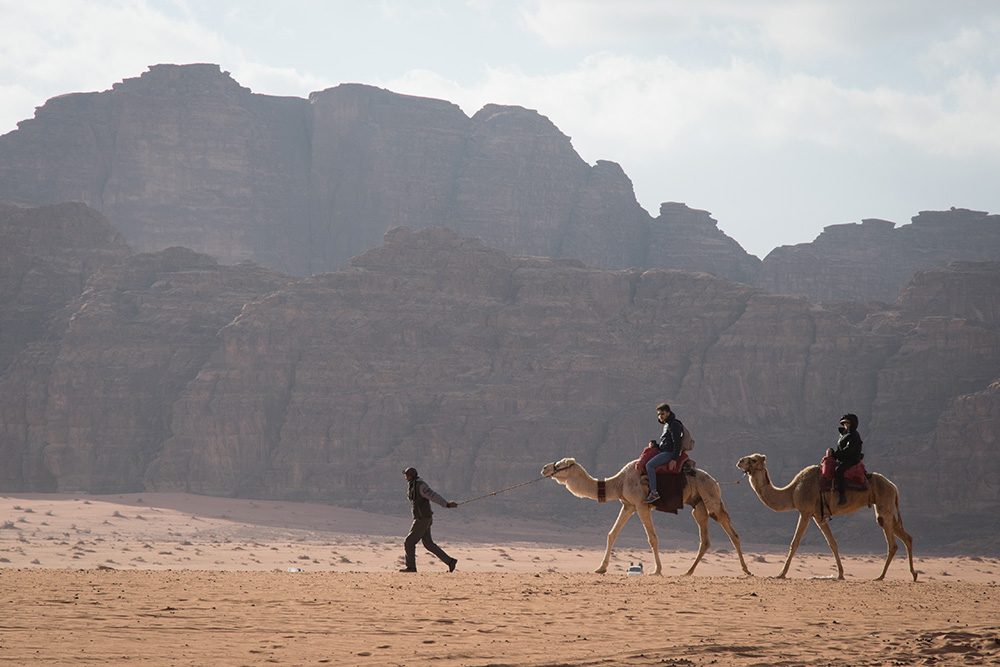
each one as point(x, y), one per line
point(874, 259)
point(184, 155)
point(47, 255)
point(87, 407)
point(170, 371)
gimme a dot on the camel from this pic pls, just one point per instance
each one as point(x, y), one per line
point(803, 494)
point(701, 492)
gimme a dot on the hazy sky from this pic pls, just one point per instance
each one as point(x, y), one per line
point(778, 116)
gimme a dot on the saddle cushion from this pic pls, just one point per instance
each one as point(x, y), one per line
point(650, 452)
point(855, 477)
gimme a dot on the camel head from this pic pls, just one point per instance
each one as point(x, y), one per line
point(557, 469)
point(752, 463)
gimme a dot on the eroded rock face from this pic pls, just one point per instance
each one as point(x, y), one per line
point(873, 260)
point(47, 254)
point(185, 156)
point(440, 352)
point(689, 239)
point(172, 372)
point(88, 407)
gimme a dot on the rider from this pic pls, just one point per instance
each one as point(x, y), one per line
point(848, 452)
point(669, 446)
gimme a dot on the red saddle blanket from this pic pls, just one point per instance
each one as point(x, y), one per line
point(650, 452)
point(855, 477)
point(670, 485)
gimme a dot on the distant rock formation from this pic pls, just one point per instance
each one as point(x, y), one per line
point(874, 259)
point(689, 239)
point(172, 372)
point(47, 254)
point(185, 156)
point(88, 405)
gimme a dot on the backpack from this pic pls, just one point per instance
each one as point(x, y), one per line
point(687, 440)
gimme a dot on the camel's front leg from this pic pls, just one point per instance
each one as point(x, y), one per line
point(824, 526)
point(700, 516)
point(623, 516)
point(646, 516)
point(800, 529)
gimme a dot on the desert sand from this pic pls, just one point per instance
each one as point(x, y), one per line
point(164, 579)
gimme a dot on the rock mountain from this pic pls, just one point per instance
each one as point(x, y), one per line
point(171, 371)
point(291, 298)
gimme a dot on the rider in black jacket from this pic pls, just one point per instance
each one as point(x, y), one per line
point(848, 451)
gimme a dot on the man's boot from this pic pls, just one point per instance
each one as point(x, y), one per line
point(841, 497)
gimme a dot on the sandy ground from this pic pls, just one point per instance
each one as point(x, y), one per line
point(190, 580)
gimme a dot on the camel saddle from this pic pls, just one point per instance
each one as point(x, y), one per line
point(855, 477)
point(669, 483)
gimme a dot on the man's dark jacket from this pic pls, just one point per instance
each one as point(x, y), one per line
point(848, 451)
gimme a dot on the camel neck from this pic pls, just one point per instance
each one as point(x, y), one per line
point(780, 500)
point(582, 485)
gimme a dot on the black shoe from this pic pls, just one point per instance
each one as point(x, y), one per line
point(452, 564)
point(842, 500)
point(408, 569)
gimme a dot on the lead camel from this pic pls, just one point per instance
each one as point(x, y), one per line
point(701, 492)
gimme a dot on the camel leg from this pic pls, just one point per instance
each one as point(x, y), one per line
point(623, 516)
point(700, 516)
point(722, 517)
point(646, 516)
point(907, 542)
point(800, 529)
point(824, 527)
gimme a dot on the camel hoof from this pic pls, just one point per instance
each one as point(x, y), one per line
point(600, 570)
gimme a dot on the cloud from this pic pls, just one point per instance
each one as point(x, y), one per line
point(793, 29)
point(614, 104)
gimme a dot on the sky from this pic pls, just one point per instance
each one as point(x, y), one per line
point(778, 116)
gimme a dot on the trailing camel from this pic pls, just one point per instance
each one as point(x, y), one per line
point(803, 494)
point(701, 492)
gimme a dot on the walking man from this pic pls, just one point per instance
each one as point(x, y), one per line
point(420, 496)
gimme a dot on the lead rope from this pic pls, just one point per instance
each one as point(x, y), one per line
point(493, 493)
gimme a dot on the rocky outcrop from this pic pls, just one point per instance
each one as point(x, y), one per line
point(184, 155)
point(689, 239)
point(873, 260)
point(88, 407)
point(172, 372)
point(47, 255)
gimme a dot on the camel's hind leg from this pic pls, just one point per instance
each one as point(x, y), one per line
point(646, 516)
point(824, 527)
point(800, 528)
point(700, 516)
point(722, 517)
point(892, 525)
point(623, 516)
